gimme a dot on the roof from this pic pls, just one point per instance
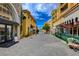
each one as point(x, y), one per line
point(26, 11)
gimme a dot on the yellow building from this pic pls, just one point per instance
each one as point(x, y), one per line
point(68, 18)
point(9, 22)
point(50, 23)
point(27, 23)
point(54, 17)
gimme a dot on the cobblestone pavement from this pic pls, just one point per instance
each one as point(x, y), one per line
point(39, 45)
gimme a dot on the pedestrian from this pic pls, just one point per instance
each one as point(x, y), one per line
point(37, 31)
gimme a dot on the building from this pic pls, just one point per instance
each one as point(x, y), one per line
point(69, 18)
point(18, 8)
point(28, 23)
point(9, 22)
point(50, 23)
point(55, 19)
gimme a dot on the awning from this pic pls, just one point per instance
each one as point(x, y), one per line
point(7, 22)
point(66, 25)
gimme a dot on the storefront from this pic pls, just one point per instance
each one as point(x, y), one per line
point(70, 28)
point(7, 30)
point(70, 25)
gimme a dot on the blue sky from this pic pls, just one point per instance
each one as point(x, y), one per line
point(40, 11)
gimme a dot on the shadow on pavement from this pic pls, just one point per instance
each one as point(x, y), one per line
point(7, 44)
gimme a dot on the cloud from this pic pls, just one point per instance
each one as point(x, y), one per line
point(39, 7)
point(25, 6)
point(40, 11)
point(41, 18)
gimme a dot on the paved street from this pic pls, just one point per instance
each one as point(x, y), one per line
point(39, 45)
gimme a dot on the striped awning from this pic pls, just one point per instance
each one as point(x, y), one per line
point(66, 25)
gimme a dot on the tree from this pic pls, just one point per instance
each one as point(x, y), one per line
point(46, 27)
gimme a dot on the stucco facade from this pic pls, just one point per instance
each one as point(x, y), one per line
point(27, 23)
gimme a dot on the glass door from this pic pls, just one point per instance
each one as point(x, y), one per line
point(2, 33)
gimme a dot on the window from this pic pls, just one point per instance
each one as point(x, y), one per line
point(5, 5)
point(24, 17)
point(4, 10)
point(76, 19)
point(7, 11)
point(29, 17)
point(25, 12)
point(64, 8)
point(72, 21)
